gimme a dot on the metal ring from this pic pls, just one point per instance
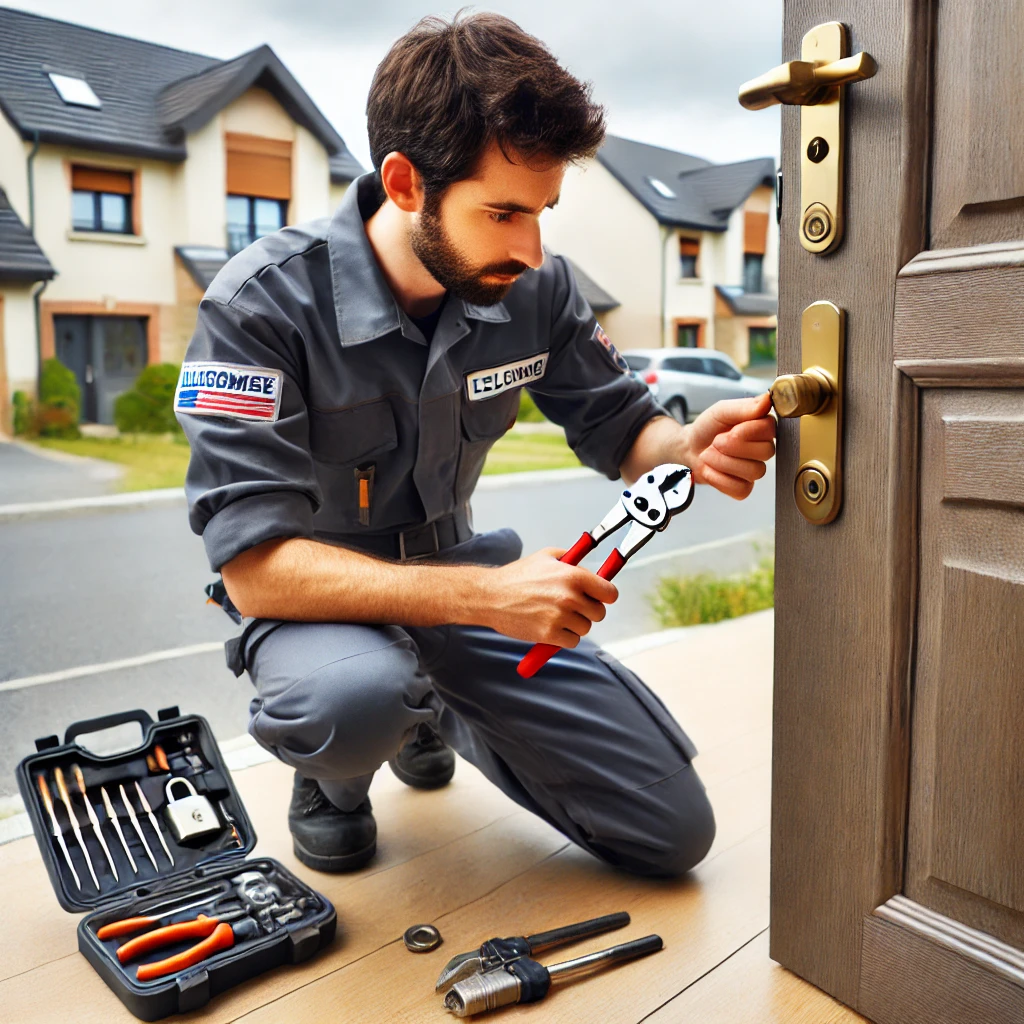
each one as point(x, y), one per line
point(422, 938)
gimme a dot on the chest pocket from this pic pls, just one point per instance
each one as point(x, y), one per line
point(345, 437)
point(489, 419)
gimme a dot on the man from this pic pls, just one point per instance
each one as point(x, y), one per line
point(343, 387)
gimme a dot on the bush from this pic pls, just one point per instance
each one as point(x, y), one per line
point(149, 407)
point(60, 401)
point(24, 414)
point(688, 601)
point(528, 411)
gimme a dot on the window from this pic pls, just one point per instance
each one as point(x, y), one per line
point(101, 200)
point(252, 217)
point(687, 335)
point(753, 267)
point(661, 188)
point(636, 363)
point(720, 368)
point(762, 346)
point(689, 249)
point(685, 364)
point(75, 92)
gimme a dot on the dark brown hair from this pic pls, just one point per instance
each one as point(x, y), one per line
point(446, 89)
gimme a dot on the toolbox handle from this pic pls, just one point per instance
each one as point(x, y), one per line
point(88, 725)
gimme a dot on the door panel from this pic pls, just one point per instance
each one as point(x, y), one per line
point(965, 851)
point(73, 347)
point(120, 348)
point(978, 175)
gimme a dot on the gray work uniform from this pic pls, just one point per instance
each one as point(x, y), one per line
point(316, 408)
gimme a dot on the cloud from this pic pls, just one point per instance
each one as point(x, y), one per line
point(668, 73)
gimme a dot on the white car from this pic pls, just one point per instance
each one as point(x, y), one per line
point(686, 381)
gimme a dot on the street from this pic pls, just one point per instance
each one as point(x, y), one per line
point(88, 589)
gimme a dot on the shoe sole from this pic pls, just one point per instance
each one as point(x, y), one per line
point(421, 781)
point(337, 862)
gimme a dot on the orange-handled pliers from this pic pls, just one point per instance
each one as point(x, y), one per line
point(216, 932)
point(650, 503)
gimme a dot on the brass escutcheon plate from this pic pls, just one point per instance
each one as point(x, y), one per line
point(823, 343)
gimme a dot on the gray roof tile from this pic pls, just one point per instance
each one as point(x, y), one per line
point(202, 262)
point(21, 259)
point(748, 303)
point(151, 95)
point(704, 194)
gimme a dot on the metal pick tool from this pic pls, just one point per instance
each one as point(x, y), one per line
point(152, 821)
point(44, 791)
point(138, 827)
point(117, 827)
point(80, 780)
point(62, 787)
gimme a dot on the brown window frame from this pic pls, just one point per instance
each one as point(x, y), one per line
point(98, 181)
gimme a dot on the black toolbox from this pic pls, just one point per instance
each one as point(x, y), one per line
point(266, 916)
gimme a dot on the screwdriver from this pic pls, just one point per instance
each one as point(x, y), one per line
point(117, 827)
point(138, 827)
point(80, 780)
point(44, 791)
point(62, 787)
point(152, 820)
point(526, 981)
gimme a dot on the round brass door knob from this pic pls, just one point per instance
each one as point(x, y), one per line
point(802, 394)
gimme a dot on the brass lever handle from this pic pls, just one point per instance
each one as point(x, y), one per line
point(802, 394)
point(804, 83)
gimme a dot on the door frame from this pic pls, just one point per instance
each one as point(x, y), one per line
point(841, 721)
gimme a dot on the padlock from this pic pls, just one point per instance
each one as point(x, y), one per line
point(191, 817)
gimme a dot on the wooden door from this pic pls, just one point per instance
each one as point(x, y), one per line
point(898, 774)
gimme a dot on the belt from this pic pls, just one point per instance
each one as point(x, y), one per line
point(417, 541)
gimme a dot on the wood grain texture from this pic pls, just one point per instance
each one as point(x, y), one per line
point(749, 989)
point(978, 165)
point(984, 459)
point(965, 849)
point(973, 312)
point(913, 974)
point(842, 649)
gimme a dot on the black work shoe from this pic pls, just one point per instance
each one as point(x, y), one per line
point(425, 761)
point(325, 838)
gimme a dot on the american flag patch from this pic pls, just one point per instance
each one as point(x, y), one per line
point(613, 353)
point(228, 389)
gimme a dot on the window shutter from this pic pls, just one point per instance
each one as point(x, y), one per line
point(689, 246)
point(755, 232)
point(98, 179)
point(258, 167)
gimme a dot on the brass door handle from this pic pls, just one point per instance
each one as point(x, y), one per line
point(803, 394)
point(804, 83)
point(815, 84)
point(816, 396)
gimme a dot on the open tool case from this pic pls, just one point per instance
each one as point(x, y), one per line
point(273, 917)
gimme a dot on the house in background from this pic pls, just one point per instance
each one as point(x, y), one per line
point(688, 249)
point(129, 173)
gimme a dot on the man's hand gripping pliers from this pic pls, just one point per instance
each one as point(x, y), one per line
point(650, 503)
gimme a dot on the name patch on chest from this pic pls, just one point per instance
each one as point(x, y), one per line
point(490, 383)
point(229, 389)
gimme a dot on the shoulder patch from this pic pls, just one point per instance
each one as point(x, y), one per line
point(613, 353)
point(229, 389)
point(489, 383)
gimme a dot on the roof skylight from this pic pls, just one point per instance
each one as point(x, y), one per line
point(75, 92)
point(661, 188)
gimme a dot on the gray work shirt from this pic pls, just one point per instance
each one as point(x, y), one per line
point(307, 394)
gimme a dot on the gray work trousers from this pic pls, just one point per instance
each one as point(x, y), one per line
point(584, 744)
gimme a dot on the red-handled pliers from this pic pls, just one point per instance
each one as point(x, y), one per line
point(217, 932)
point(650, 503)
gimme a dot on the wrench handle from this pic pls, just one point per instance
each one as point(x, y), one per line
point(540, 654)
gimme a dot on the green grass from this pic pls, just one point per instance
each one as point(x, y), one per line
point(150, 460)
point(691, 600)
point(160, 461)
point(518, 453)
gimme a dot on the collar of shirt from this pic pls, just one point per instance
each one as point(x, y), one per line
point(363, 303)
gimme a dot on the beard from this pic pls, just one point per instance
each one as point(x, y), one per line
point(450, 268)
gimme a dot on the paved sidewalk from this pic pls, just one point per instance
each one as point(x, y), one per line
point(28, 474)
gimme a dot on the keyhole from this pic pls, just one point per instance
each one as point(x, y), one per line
point(817, 150)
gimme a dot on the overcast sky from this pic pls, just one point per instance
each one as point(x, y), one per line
point(666, 72)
